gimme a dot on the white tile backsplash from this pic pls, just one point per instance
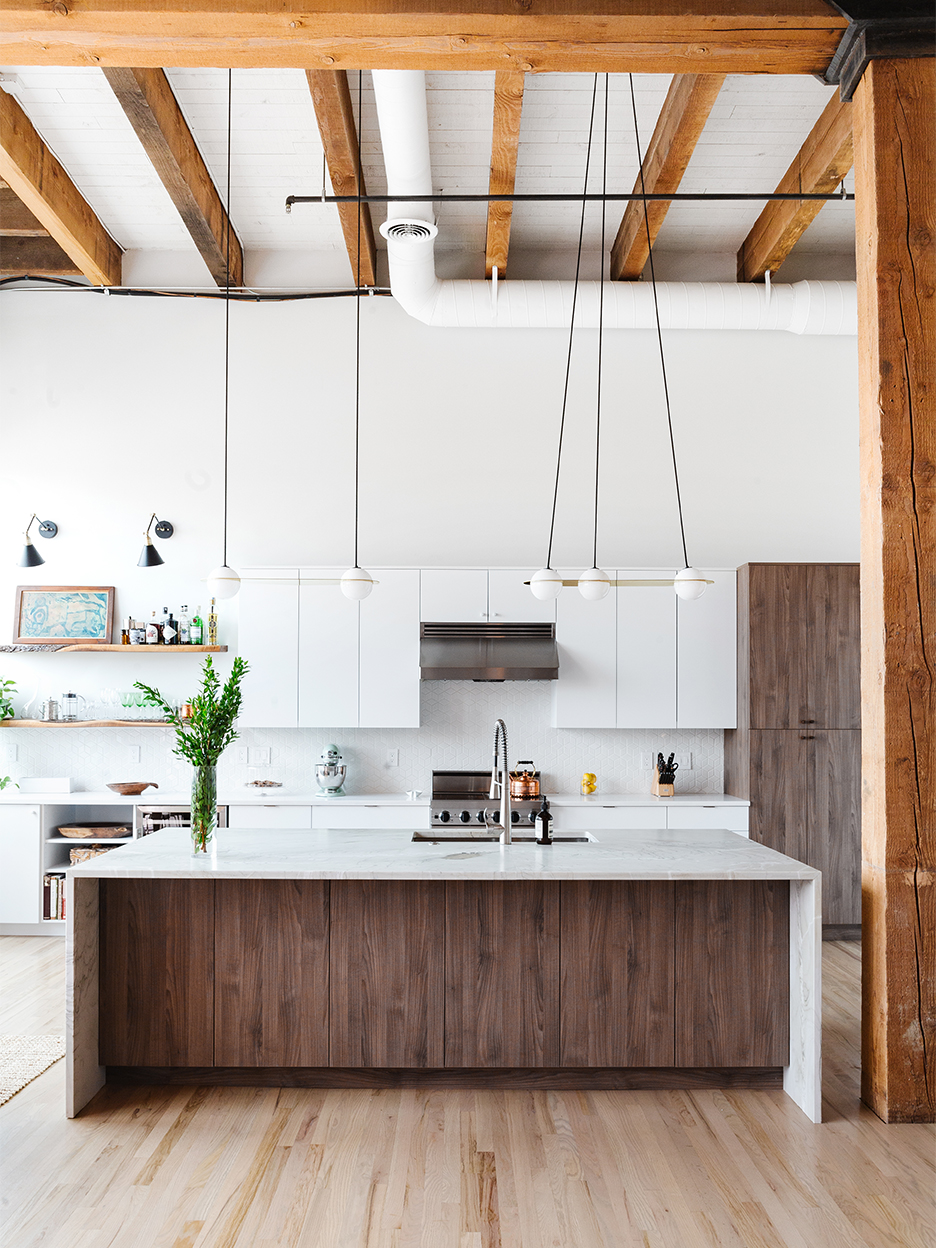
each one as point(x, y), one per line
point(457, 732)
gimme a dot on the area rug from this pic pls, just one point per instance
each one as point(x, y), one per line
point(23, 1058)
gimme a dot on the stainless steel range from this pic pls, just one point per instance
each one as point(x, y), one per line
point(461, 804)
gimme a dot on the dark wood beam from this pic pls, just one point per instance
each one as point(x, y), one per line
point(16, 221)
point(334, 112)
point(528, 36)
point(40, 257)
point(895, 201)
point(505, 142)
point(819, 166)
point(679, 128)
point(38, 179)
point(146, 97)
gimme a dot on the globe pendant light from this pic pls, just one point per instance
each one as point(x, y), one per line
point(356, 583)
point(595, 584)
point(224, 582)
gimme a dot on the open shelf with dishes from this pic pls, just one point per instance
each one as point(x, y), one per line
point(85, 723)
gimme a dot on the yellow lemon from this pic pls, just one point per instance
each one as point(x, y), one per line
point(589, 777)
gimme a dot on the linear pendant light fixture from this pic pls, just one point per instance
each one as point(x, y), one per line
point(356, 583)
point(224, 582)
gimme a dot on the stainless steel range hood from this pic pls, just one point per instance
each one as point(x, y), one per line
point(488, 652)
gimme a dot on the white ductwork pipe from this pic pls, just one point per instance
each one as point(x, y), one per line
point(801, 308)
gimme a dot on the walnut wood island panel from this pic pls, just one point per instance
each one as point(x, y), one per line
point(644, 959)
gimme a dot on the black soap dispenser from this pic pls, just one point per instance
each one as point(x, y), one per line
point(543, 820)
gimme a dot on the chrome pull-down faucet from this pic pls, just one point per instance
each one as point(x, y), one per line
point(500, 785)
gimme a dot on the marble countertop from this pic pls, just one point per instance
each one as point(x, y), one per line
point(287, 797)
point(391, 855)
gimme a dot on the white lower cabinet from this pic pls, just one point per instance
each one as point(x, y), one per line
point(345, 817)
point(21, 877)
point(734, 818)
point(594, 818)
point(299, 817)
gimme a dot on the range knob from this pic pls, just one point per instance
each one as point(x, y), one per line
point(465, 816)
point(515, 816)
point(532, 816)
point(481, 816)
point(495, 816)
point(444, 816)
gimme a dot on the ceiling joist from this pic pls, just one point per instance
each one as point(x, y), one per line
point(146, 97)
point(679, 127)
point(505, 142)
point(37, 178)
point(34, 256)
point(334, 112)
point(527, 36)
point(820, 165)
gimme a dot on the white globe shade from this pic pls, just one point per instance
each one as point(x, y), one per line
point(356, 583)
point(689, 584)
point(223, 582)
point(545, 584)
point(594, 584)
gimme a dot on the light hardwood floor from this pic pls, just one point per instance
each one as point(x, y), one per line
point(265, 1168)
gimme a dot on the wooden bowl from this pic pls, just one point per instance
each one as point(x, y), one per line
point(84, 831)
point(133, 789)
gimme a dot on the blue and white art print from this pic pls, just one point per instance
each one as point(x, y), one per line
point(53, 613)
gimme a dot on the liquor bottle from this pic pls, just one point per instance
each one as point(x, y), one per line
point(153, 637)
point(185, 627)
point(137, 633)
point(212, 625)
point(125, 632)
point(196, 628)
point(169, 631)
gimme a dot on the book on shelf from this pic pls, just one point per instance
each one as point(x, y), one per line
point(53, 895)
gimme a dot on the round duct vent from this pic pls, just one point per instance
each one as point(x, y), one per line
point(401, 230)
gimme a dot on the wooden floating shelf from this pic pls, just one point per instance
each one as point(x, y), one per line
point(92, 649)
point(85, 723)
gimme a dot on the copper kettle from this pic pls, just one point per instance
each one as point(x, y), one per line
point(524, 783)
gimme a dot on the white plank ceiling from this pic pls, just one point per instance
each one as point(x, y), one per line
point(754, 131)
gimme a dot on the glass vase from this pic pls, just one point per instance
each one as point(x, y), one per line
point(204, 809)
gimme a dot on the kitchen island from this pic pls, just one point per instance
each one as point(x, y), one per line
point(666, 958)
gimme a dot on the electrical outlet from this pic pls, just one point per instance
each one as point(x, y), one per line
point(393, 758)
point(133, 753)
point(259, 756)
point(242, 754)
point(10, 753)
point(685, 762)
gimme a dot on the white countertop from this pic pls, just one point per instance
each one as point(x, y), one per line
point(288, 797)
point(391, 855)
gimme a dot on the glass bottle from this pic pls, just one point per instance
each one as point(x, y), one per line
point(153, 637)
point(125, 632)
point(184, 626)
point(212, 625)
point(196, 629)
point(170, 633)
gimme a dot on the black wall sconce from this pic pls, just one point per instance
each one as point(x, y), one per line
point(150, 556)
point(30, 558)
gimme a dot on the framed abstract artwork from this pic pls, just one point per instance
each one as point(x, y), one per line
point(57, 614)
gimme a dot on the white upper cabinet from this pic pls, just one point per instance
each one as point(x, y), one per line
point(329, 673)
point(646, 651)
point(453, 595)
point(510, 600)
point(706, 651)
point(585, 695)
point(389, 653)
point(268, 638)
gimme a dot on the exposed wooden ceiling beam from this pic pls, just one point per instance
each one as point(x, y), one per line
point(679, 127)
point(820, 165)
point(146, 97)
point(505, 141)
point(334, 112)
point(34, 174)
point(531, 36)
point(16, 221)
point(38, 257)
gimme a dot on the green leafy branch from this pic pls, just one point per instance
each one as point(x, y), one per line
point(7, 689)
point(204, 736)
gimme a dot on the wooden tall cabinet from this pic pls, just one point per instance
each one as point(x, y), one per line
point(796, 753)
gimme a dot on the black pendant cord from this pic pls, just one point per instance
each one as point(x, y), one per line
point(578, 267)
point(604, 191)
point(227, 313)
point(656, 311)
point(357, 326)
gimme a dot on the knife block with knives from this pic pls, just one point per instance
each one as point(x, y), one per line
point(664, 773)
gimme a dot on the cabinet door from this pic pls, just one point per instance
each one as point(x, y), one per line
point(390, 651)
point(386, 966)
point(646, 651)
point(733, 973)
point(21, 854)
point(328, 652)
point(834, 768)
point(617, 973)
point(833, 654)
point(268, 638)
point(779, 808)
point(510, 600)
point(501, 973)
point(454, 595)
point(271, 973)
point(777, 633)
point(585, 695)
point(157, 973)
point(707, 654)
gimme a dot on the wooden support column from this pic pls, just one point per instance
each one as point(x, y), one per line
point(895, 154)
point(505, 143)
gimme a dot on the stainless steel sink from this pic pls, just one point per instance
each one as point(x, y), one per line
point(493, 840)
